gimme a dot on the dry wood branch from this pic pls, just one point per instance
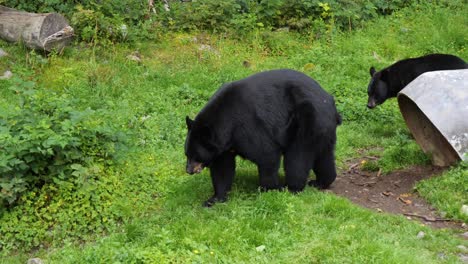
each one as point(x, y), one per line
point(429, 219)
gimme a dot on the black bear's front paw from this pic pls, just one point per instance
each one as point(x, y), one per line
point(214, 199)
point(317, 185)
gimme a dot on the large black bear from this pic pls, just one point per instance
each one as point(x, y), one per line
point(388, 82)
point(261, 118)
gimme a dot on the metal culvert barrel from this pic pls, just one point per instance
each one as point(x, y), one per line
point(435, 109)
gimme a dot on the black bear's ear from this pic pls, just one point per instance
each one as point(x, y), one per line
point(189, 122)
point(372, 71)
point(384, 75)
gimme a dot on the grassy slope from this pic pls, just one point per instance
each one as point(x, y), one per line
point(161, 217)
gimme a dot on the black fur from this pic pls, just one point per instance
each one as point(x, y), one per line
point(262, 118)
point(388, 82)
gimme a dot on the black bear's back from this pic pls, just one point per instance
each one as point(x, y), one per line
point(273, 102)
point(407, 70)
point(273, 91)
point(279, 92)
point(287, 86)
point(432, 62)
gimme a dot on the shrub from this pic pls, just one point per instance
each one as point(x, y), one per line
point(243, 15)
point(210, 15)
point(45, 139)
point(107, 20)
point(104, 20)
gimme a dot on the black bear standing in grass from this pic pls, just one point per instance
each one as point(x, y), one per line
point(261, 118)
point(388, 82)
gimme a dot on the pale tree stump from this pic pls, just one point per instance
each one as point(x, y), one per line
point(47, 32)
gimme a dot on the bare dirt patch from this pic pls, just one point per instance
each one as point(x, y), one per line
point(392, 193)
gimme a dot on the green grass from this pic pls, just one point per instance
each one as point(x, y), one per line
point(309, 227)
point(448, 193)
point(151, 210)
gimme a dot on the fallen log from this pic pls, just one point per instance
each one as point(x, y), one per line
point(47, 31)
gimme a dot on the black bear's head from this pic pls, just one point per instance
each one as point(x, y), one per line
point(200, 146)
point(377, 89)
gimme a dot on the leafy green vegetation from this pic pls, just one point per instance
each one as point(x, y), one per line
point(127, 198)
point(44, 139)
point(121, 21)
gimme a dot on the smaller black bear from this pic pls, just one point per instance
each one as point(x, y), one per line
point(261, 118)
point(388, 82)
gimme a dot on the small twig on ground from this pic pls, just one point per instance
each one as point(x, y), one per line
point(365, 183)
point(430, 219)
point(379, 173)
point(387, 193)
point(376, 56)
point(371, 157)
point(353, 166)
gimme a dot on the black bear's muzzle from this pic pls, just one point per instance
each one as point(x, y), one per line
point(371, 103)
point(194, 167)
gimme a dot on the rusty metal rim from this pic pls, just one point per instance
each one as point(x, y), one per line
point(443, 155)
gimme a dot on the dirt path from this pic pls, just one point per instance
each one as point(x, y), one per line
point(392, 193)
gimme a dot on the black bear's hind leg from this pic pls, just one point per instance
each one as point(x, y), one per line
point(222, 171)
point(324, 169)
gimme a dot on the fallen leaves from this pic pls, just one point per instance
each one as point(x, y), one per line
point(402, 199)
point(405, 201)
point(387, 193)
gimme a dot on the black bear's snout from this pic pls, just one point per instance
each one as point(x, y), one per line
point(194, 167)
point(190, 171)
point(371, 103)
